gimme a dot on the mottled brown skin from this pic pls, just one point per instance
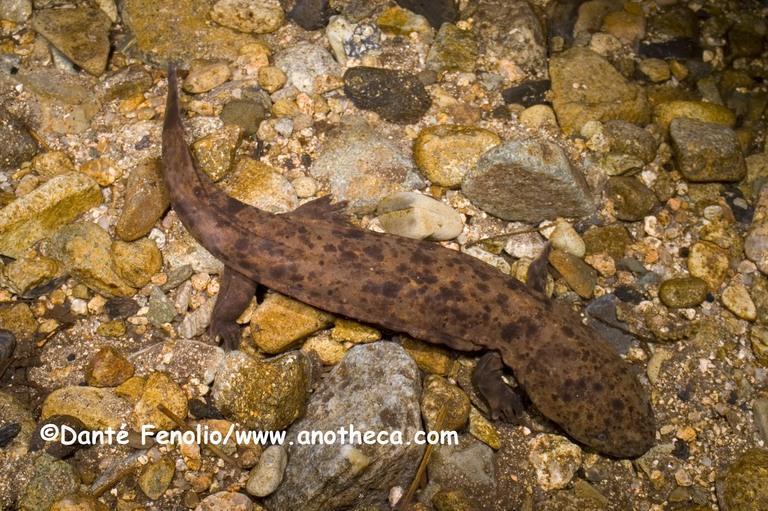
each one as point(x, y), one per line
point(423, 289)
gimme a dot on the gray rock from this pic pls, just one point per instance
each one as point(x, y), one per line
point(303, 63)
point(375, 387)
point(160, 308)
point(82, 34)
point(397, 96)
point(417, 216)
point(631, 198)
point(630, 146)
point(361, 166)
point(268, 474)
point(756, 243)
point(706, 152)
point(244, 113)
point(16, 10)
point(529, 181)
point(51, 480)
point(16, 144)
point(468, 466)
point(185, 361)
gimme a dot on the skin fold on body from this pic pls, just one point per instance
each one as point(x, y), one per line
point(432, 293)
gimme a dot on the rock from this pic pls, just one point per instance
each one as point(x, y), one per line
point(268, 474)
point(258, 394)
point(206, 76)
point(18, 319)
point(632, 200)
point(708, 262)
point(451, 501)
point(259, 17)
point(510, 32)
point(168, 31)
point(397, 96)
point(627, 141)
point(610, 239)
point(30, 271)
point(439, 393)
point(587, 87)
point(97, 408)
point(413, 215)
point(706, 152)
point(397, 21)
point(16, 10)
point(577, 274)
point(482, 429)
point(376, 387)
point(445, 153)
point(85, 250)
point(666, 112)
point(14, 412)
point(529, 181)
point(225, 500)
point(453, 50)
point(78, 503)
point(107, 368)
point(271, 78)
point(538, 117)
point(311, 14)
point(279, 322)
point(82, 34)
point(756, 242)
point(184, 250)
point(555, 459)
point(16, 144)
point(626, 26)
point(362, 167)
point(196, 322)
point(186, 362)
point(564, 237)
point(103, 170)
point(51, 164)
point(215, 152)
point(429, 357)
point(683, 292)
point(51, 480)
point(328, 350)
point(156, 476)
point(352, 40)
point(159, 389)
point(306, 65)
point(124, 83)
point(437, 12)
point(146, 199)
point(261, 186)
point(467, 466)
point(160, 308)
point(742, 485)
point(354, 332)
point(136, 262)
point(736, 298)
point(40, 213)
point(656, 70)
point(246, 114)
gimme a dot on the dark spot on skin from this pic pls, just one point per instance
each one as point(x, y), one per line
point(355, 234)
point(502, 299)
point(483, 287)
point(241, 245)
point(617, 404)
point(390, 289)
point(509, 331)
point(329, 247)
point(374, 252)
point(597, 387)
point(567, 330)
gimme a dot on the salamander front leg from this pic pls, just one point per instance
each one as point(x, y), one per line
point(235, 293)
point(504, 402)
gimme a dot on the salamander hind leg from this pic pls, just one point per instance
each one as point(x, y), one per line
point(504, 402)
point(235, 293)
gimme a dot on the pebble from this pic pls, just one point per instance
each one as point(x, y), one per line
point(268, 474)
point(683, 292)
point(529, 181)
point(103, 170)
point(482, 429)
point(16, 10)
point(706, 152)
point(430, 358)
point(437, 12)
point(262, 186)
point(708, 262)
point(97, 408)
point(354, 332)
point(632, 200)
point(538, 117)
point(626, 26)
point(656, 70)
point(311, 14)
point(51, 479)
point(417, 216)
point(666, 112)
point(737, 299)
point(585, 86)
point(51, 164)
point(81, 34)
point(305, 187)
point(206, 76)
point(555, 460)
point(259, 16)
point(403, 22)
point(136, 262)
point(564, 237)
point(375, 387)
point(18, 319)
point(196, 322)
point(78, 503)
point(107, 368)
point(328, 350)
point(397, 96)
point(156, 477)
point(577, 274)
point(454, 49)
point(40, 213)
point(224, 500)
point(125, 83)
point(306, 65)
point(626, 140)
point(16, 143)
point(445, 153)
point(439, 393)
point(158, 389)
point(279, 322)
point(361, 167)
point(30, 272)
point(272, 78)
point(246, 114)
point(160, 308)
point(258, 394)
point(146, 199)
point(742, 484)
point(215, 153)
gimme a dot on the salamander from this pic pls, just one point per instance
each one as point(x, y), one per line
point(420, 288)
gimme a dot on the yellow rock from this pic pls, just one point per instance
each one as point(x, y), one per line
point(137, 261)
point(280, 322)
point(665, 113)
point(431, 359)
point(482, 429)
point(97, 408)
point(352, 331)
point(159, 389)
point(446, 152)
point(329, 351)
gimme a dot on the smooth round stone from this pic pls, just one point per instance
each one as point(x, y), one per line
point(156, 477)
point(97, 408)
point(538, 116)
point(137, 261)
point(708, 262)
point(445, 153)
point(665, 113)
point(271, 78)
point(683, 292)
point(259, 17)
point(146, 199)
point(631, 198)
point(417, 216)
point(202, 78)
point(579, 276)
point(305, 187)
point(268, 474)
point(439, 392)
point(657, 70)
point(565, 238)
point(225, 500)
point(737, 299)
point(397, 96)
point(245, 113)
